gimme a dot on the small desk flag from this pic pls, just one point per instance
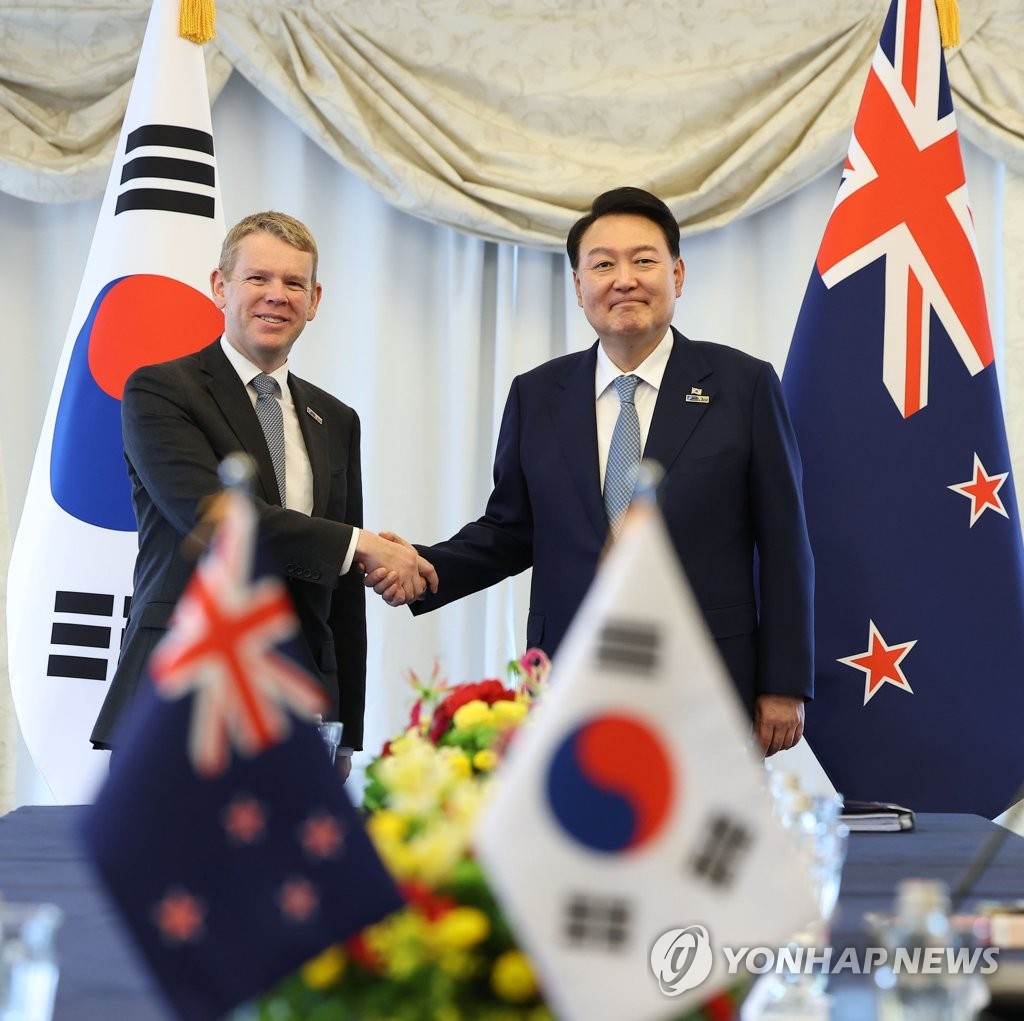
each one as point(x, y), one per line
point(223, 834)
point(631, 836)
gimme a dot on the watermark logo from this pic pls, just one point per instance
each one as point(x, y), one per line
point(681, 959)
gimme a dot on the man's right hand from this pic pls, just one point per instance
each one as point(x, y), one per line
point(393, 568)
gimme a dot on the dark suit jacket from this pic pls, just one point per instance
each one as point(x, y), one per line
point(732, 485)
point(180, 419)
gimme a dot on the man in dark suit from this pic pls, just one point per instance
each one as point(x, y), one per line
point(181, 418)
point(713, 418)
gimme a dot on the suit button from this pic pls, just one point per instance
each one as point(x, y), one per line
point(316, 576)
point(307, 573)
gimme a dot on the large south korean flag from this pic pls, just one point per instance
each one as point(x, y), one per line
point(634, 806)
point(144, 298)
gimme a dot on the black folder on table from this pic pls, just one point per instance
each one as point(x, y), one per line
point(876, 816)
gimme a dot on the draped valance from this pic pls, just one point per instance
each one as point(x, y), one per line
point(503, 118)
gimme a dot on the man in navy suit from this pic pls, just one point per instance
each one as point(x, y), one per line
point(181, 418)
point(714, 419)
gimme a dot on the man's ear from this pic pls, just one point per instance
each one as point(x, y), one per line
point(217, 288)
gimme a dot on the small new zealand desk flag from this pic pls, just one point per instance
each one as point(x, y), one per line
point(223, 835)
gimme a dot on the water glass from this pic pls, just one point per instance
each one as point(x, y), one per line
point(331, 736)
point(28, 961)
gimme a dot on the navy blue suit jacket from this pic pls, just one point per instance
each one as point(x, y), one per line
point(732, 486)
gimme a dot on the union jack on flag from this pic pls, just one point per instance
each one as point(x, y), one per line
point(251, 863)
point(221, 646)
point(891, 385)
point(904, 197)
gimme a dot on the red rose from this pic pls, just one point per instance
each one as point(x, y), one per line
point(489, 691)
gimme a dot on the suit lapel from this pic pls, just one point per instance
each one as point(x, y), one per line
point(674, 419)
point(229, 393)
point(575, 430)
point(314, 433)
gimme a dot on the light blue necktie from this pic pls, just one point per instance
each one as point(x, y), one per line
point(623, 454)
point(268, 410)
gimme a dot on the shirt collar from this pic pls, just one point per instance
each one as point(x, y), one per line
point(247, 371)
point(651, 370)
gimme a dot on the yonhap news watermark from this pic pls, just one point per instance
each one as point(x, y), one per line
point(682, 959)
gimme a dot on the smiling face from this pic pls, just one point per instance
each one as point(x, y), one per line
point(267, 296)
point(627, 283)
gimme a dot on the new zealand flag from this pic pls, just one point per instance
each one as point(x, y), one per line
point(223, 835)
point(891, 384)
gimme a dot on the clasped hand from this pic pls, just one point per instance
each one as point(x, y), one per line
point(393, 568)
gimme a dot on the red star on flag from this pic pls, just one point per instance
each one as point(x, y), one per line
point(298, 899)
point(244, 819)
point(179, 916)
point(880, 663)
point(983, 491)
point(322, 836)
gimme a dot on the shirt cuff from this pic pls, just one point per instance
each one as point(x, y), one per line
point(350, 555)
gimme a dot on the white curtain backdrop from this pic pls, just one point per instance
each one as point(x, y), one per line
point(422, 329)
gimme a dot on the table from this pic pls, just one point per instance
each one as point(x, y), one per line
point(102, 978)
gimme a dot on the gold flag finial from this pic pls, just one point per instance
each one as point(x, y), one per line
point(196, 20)
point(949, 23)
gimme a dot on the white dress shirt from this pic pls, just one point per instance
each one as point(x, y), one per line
point(298, 473)
point(650, 371)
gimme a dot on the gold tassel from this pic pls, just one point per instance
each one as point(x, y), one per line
point(949, 23)
point(196, 20)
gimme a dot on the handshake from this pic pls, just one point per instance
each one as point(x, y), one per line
point(393, 568)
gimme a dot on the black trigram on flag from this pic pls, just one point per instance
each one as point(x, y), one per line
point(596, 921)
point(188, 177)
point(724, 846)
point(629, 645)
point(95, 634)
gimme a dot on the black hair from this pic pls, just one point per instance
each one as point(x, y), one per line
point(630, 201)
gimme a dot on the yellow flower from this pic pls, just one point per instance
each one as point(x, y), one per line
point(458, 964)
point(436, 851)
point(386, 826)
point(485, 760)
point(461, 927)
point(401, 860)
point(509, 714)
point(325, 969)
point(472, 714)
point(405, 742)
point(512, 977)
point(398, 942)
point(456, 760)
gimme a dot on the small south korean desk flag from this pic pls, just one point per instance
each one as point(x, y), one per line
point(631, 836)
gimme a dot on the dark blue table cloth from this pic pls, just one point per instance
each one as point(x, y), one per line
point(102, 979)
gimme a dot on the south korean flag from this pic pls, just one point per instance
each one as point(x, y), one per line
point(631, 832)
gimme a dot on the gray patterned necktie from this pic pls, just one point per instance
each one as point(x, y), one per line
point(268, 410)
point(623, 454)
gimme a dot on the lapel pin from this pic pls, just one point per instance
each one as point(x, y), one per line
point(313, 415)
point(696, 390)
point(696, 397)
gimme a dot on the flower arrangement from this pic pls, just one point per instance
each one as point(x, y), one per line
point(449, 954)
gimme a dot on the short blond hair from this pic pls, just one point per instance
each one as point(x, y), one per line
point(280, 225)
